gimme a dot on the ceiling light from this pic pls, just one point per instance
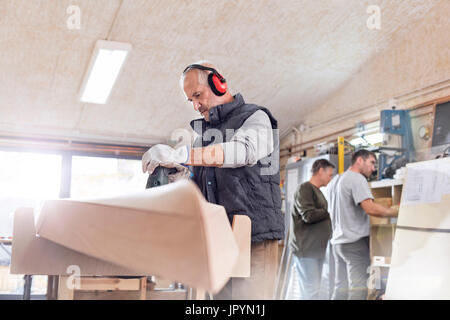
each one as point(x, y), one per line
point(104, 68)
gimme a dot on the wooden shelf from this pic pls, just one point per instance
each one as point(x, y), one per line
point(382, 234)
point(385, 183)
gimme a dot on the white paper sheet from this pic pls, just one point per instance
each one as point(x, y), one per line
point(445, 170)
point(426, 182)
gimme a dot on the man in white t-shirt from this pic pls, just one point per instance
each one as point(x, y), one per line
point(350, 203)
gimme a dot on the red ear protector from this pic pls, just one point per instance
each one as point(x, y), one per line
point(216, 82)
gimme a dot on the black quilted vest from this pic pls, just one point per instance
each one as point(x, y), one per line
point(244, 190)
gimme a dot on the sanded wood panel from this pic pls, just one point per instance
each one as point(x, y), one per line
point(36, 255)
point(420, 266)
point(171, 231)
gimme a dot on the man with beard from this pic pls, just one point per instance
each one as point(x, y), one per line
point(350, 204)
point(235, 164)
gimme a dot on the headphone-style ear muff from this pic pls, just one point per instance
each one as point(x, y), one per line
point(218, 84)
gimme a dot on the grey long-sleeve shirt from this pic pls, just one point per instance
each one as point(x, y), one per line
point(250, 143)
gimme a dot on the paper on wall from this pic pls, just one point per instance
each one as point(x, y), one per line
point(426, 182)
point(445, 169)
point(413, 187)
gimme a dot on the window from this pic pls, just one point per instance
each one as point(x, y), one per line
point(95, 176)
point(26, 179)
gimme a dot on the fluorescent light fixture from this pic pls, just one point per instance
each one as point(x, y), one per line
point(104, 68)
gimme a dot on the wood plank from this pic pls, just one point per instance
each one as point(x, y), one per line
point(385, 183)
point(105, 284)
point(143, 289)
point(130, 295)
point(135, 231)
point(167, 295)
point(64, 293)
point(242, 231)
point(31, 254)
point(382, 192)
point(381, 238)
point(199, 294)
point(396, 195)
point(420, 266)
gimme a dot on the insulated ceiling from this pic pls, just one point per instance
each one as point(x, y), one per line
point(289, 56)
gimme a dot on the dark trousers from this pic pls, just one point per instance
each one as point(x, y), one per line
point(263, 275)
point(352, 262)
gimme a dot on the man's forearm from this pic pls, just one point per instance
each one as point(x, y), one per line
point(210, 156)
point(383, 211)
point(377, 210)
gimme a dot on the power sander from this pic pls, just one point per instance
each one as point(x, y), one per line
point(159, 177)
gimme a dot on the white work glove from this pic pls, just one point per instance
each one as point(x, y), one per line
point(165, 156)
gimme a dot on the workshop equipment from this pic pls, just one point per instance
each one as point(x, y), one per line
point(398, 147)
point(324, 148)
point(341, 154)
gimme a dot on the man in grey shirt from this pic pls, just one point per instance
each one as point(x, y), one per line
point(350, 203)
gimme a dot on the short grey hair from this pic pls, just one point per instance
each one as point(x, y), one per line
point(202, 74)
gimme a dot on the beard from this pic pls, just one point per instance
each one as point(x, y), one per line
point(204, 112)
point(367, 174)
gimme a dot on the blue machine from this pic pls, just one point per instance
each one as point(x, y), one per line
point(398, 146)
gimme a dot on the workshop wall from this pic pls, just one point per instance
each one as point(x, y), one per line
point(413, 70)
